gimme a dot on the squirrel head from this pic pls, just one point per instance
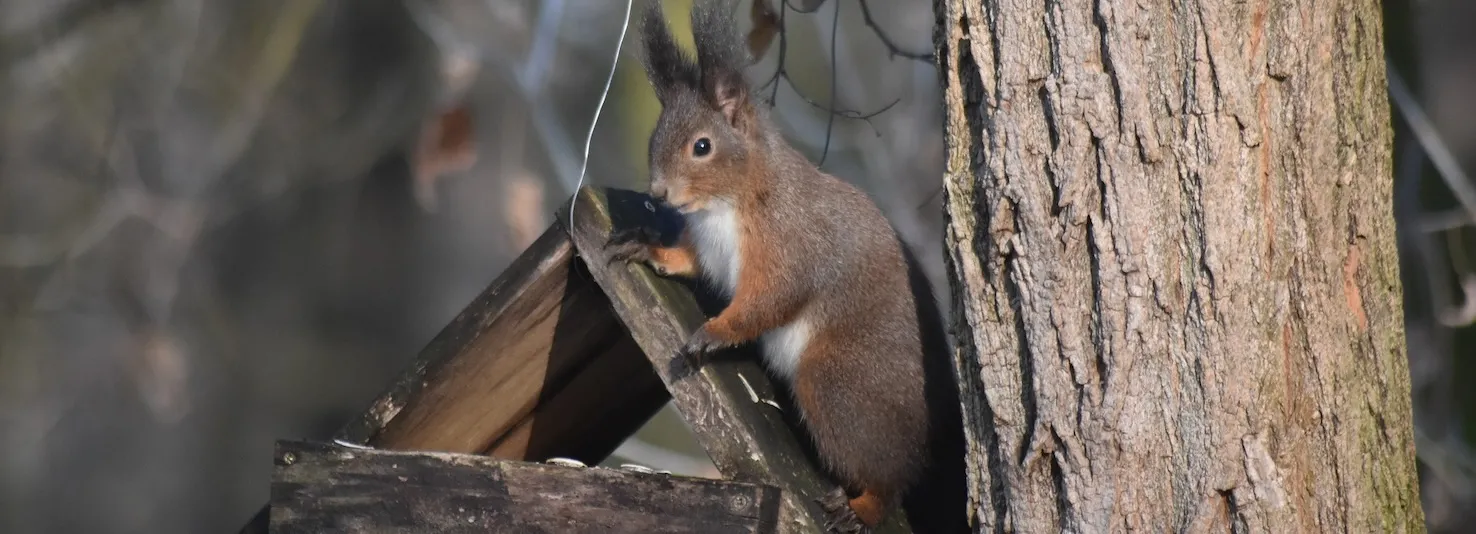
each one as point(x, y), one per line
point(709, 133)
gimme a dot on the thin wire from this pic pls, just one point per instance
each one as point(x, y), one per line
point(589, 138)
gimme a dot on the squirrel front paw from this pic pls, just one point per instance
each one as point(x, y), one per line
point(631, 245)
point(637, 234)
point(839, 517)
point(700, 343)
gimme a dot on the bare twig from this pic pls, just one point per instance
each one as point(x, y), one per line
point(1407, 208)
point(782, 74)
point(929, 199)
point(811, 8)
point(1450, 460)
point(783, 50)
point(531, 80)
point(1444, 221)
point(1429, 139)
point(891, 45)
point(1460, 186)
point(830, 122)
point(1466, 313)
point(66, 20)
point(129, 198)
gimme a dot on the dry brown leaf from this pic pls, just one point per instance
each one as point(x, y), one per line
point(447, 145)
point(765, 27)
point(524, 208)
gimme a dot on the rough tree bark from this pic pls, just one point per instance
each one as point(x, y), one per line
point(1176, 295)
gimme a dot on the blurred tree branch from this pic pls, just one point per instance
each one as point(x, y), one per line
point(65, 22)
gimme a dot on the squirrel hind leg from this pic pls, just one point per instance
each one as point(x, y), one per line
point(852, 516)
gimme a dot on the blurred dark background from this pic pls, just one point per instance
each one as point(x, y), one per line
point(220, 224)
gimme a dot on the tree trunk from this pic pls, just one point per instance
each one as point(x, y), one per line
point(1176, 295)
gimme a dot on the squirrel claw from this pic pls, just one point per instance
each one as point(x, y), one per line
point(629, 245)
point(627, 252)
point(638, 234)
point(839, 517)
point(700, 343)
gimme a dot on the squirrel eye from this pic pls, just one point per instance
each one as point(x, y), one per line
point(702, 147)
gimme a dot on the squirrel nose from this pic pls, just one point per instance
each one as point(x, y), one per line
point(658, 191)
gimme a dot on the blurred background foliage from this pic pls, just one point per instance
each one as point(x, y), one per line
point(223, 223)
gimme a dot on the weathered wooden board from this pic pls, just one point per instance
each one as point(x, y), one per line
point(746, 439)
point(324, 488)
point(566, 355)
point(536, 366)
point(498, 378)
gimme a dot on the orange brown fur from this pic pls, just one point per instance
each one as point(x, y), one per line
point(869, 507)
point(679, 260)
point(760, 302)
point(814, 272)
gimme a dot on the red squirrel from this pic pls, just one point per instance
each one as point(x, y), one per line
point(814, 272)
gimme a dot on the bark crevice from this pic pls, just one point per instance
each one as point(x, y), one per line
point(1211, 283)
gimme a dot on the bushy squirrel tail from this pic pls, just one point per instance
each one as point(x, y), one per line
point(938, 504)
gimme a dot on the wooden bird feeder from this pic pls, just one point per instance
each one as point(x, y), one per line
point(563, 355)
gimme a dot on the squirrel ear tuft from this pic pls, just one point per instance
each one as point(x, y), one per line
point(721, 57)
point(667, 67)
point(729, 94)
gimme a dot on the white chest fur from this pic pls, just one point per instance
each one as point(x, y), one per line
point(717, 236)
point(783, 346)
